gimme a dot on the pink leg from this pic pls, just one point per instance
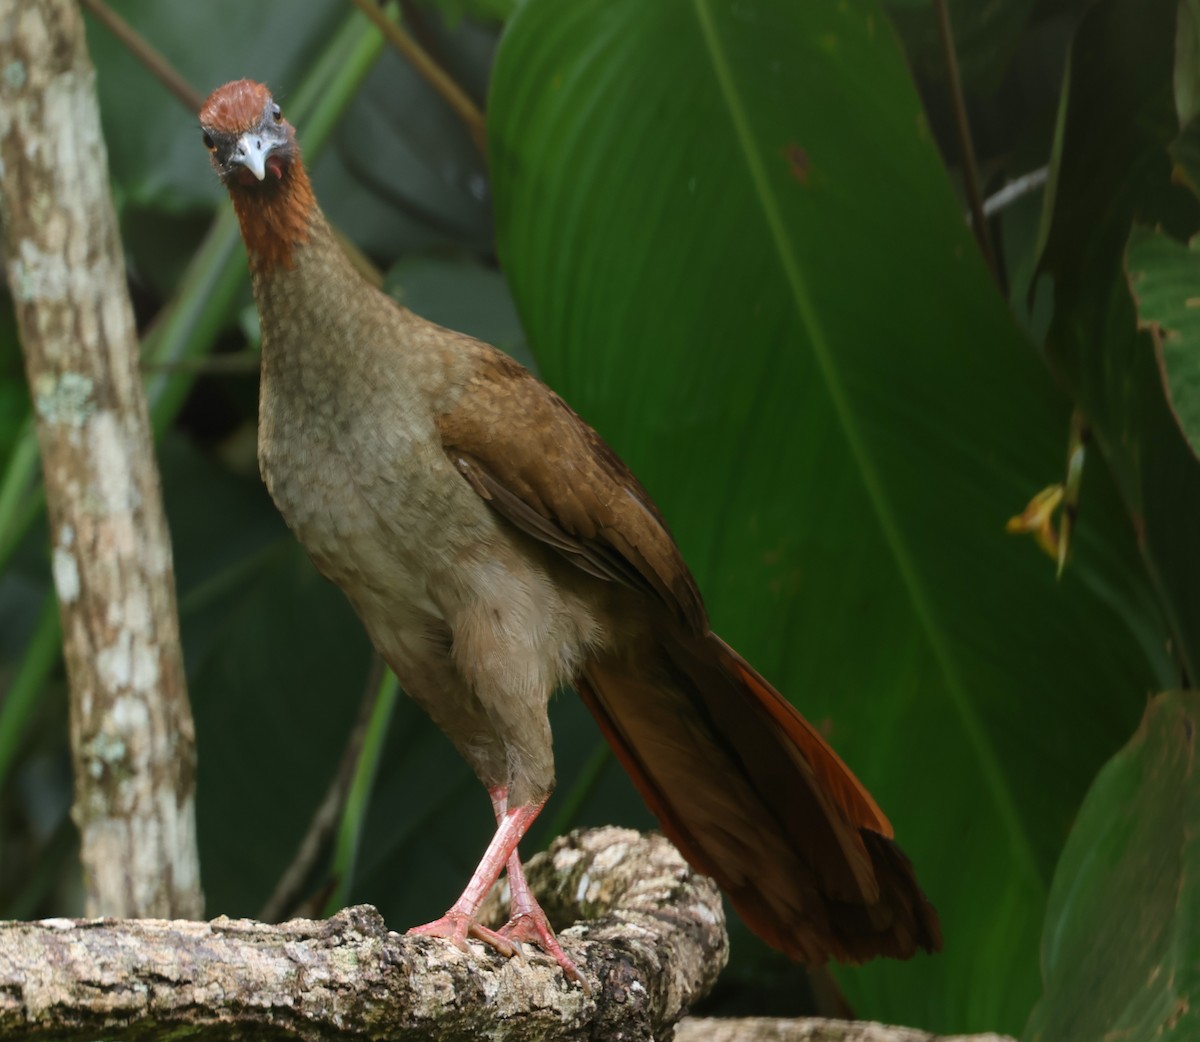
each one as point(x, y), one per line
point(459, 922)
point(528, 921)
point(516, 874)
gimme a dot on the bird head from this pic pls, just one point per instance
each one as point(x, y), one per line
point(248, 140)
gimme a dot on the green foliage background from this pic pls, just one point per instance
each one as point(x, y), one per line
point(732, 235)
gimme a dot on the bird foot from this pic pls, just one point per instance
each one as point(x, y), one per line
point(456, 927)
point(528, 922)
point(532, 927)
point(526, 927)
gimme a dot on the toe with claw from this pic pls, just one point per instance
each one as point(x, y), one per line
point(532, 928)
point(456, 927)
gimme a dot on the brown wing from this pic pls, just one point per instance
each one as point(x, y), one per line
point(525, 451)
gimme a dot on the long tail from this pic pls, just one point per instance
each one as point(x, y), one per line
point(754, 797)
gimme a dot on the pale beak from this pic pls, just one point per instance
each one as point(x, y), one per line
point(252, 151)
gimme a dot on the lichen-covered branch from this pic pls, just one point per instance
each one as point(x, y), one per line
point(809, 1029)
point(653, 943)
point(131, 726)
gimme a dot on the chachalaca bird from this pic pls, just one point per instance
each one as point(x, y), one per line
point(494, 548)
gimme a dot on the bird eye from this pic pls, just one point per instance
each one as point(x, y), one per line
point(277, 113)
point(209, 143)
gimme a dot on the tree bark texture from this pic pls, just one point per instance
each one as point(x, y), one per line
point(131, 727)
point(652, 943)
point(810, 1029)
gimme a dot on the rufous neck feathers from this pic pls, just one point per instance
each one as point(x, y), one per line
point(275, 216)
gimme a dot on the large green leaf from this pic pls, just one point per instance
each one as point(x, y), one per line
point(736, 253)
point(1121, 949)
point(1165, 278)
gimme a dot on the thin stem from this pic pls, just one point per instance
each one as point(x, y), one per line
point(21, 496)
point(355, 810)
point(140, 47)
point(430, 71)
point(970, 170)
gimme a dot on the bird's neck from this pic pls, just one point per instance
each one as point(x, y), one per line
point(276, 217)
point(302, 280)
